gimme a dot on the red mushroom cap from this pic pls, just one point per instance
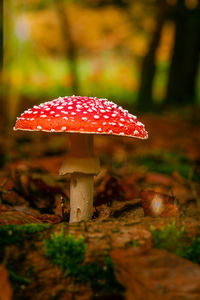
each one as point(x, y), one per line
point(78, 114)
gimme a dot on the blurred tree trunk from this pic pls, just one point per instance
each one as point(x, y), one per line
point(185, 58)
point(145, 99)
point(1, 33)
point(1, 60)
point(10, 95)
point(70, 48)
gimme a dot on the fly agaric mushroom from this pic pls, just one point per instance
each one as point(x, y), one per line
point(82, 117)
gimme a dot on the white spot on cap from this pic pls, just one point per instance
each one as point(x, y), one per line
point(73, 113)
point(52, 130)
point(48, 108)
point(96, 117)
point(110, 131)
point(99, 129)
point(136, 132)
point(35, 112)
point(106, 117)
point(39, 127)
point(104, 123)
point(43, 116)
point(121, 133)
point(113, 115)
point(65, 118)
point(63, 128)
point(102, 110)
point(132, 116)
point(122, 120)
point(57, 115)
point(84, 118)
point(52, 112)
point(60, 107)
point(70, 107)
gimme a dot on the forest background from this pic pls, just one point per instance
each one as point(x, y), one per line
point(144, 54)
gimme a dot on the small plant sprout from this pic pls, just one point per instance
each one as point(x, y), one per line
point(176, 240)
point(82, 117)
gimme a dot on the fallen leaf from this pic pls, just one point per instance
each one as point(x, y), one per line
point(109, 191)
point(159, 178)
point(16, 217)
point(52, 219)
point(158, 204)
point(156, 274)
point(5, 286)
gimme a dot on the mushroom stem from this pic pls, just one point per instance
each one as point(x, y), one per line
point(81, 144)
point(81, 197)
point(82, 165)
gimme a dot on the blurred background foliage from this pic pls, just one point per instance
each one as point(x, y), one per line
point(141, 53)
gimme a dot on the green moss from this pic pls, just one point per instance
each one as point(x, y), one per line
point(101, 276)
point(12, 234)
point(167, 163)
point(176, 241)
point(193, 251)
point(16, 278)
point(135, 243)
point(68, 253)
point(170, 238)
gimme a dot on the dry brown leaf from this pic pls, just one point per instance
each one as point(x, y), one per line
point(5, 286)
point(158, 204)
point(156, 274)
point(16, 217)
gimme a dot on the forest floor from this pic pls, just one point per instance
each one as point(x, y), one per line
point(141, 183)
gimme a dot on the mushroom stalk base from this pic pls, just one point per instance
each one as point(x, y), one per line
point(81, 195)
